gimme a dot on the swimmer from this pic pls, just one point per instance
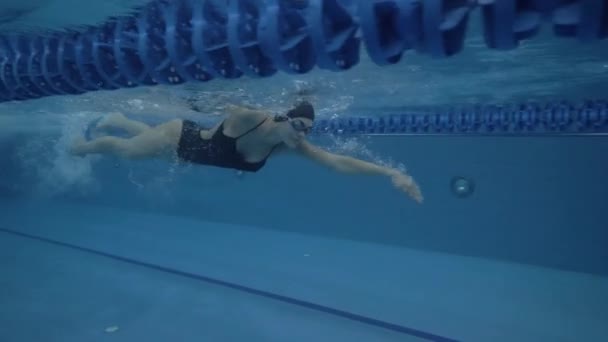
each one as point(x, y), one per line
point(243, 141)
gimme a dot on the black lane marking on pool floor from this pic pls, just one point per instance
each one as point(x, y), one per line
point(325, 309)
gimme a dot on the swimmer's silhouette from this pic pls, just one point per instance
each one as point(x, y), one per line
point(243, 141)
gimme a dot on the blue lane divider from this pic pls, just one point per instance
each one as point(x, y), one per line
point(590, 117)
point(243, 288)
point(176, 41)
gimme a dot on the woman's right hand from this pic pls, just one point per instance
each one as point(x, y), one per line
point(407, 184)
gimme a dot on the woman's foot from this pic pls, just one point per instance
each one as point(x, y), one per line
point(78, 147)
point(104, 125)
point(112, 120)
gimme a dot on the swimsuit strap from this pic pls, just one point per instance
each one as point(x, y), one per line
point(272, 150)
point(251, 129)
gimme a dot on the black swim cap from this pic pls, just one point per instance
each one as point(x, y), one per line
point(302, 110)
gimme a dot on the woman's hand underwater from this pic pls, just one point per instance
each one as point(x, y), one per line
point(406, 184)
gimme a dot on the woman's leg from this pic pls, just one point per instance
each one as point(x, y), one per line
point(118, 120)
point(152, 142)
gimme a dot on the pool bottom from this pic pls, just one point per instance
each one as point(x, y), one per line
point(462, 298)
point(57, 294)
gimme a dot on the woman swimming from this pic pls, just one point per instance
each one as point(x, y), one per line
point(243, 141)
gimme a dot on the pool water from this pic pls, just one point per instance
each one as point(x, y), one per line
point(100, 248)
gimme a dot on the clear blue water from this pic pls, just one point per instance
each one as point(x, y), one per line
point(100, 248)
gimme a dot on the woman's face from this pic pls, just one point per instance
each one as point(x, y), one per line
point(294, 130)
